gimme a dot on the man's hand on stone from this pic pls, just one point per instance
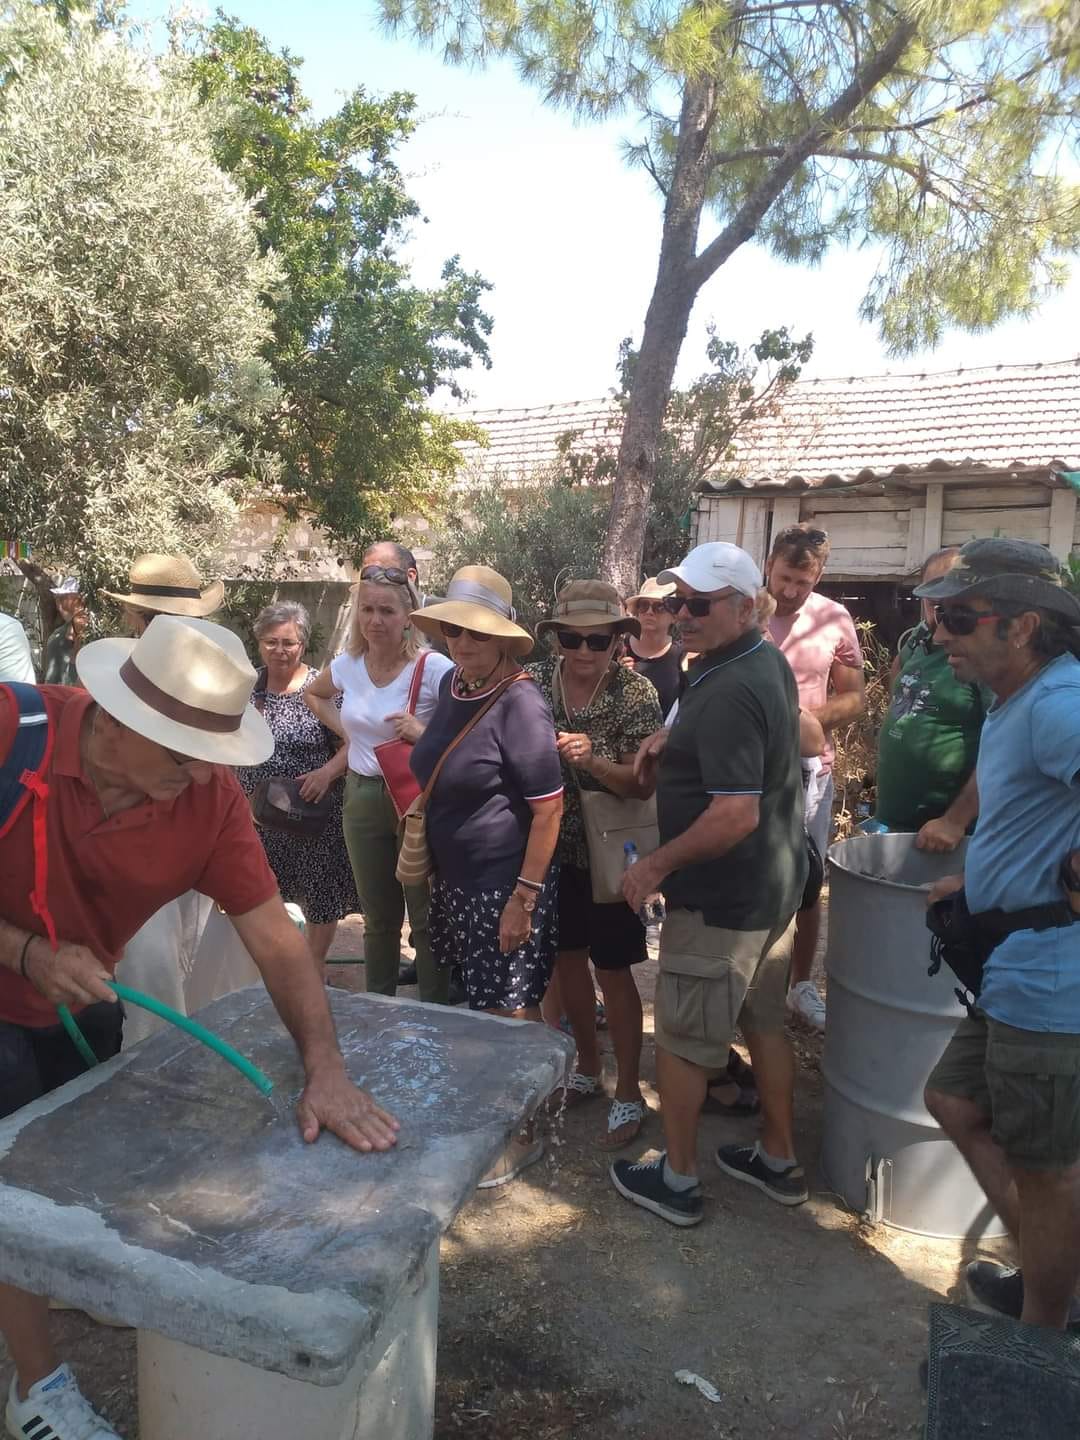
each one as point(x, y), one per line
point(69, 975)
point(947, 885)
point(940, 836)
point(332, 1102)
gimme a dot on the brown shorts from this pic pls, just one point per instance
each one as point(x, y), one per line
point(1027, 1081)
point(712, 980)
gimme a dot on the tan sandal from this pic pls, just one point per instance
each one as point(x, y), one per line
point(625, 1119)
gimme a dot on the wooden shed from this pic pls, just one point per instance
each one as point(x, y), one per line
point(895, 466)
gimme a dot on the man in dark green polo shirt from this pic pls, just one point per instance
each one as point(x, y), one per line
point(732, 864)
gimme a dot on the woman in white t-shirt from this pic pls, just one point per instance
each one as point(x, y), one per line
point(374, 676)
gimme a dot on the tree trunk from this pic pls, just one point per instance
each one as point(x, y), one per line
point(682, 273)
point(666, 321)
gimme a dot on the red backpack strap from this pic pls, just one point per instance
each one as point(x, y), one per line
point(22, 781)
point(417, 679)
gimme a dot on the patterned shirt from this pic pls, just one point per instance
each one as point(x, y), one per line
point(624, 714)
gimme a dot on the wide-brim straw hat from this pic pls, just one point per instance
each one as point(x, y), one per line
point(586, 603)
point(171, 585)
point(185, 684)
point(477, 598)
point(651, 589)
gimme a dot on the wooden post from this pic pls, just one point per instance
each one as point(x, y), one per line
point(932, 521)
point(1062, 523)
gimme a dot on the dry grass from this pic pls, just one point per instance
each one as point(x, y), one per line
point(855, 765)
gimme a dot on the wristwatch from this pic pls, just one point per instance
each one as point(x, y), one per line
point(527, 901)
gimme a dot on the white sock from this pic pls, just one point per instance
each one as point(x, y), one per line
point(772, 1163)
point(674, 1181)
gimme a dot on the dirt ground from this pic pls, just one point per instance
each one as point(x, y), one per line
point(566, 1311)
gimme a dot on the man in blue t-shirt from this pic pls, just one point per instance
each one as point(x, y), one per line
point(1007, 1089)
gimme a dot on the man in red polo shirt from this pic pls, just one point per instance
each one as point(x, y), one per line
point(140, 808)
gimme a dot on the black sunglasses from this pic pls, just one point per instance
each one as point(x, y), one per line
point(698, 605)
point(650, 607)
point(386, 573)
point(959, 620)
point(573, 640)
point(455, 632)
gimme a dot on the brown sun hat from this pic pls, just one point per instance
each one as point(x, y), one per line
point(589, 602)
point(171, 585)
point(477, 598)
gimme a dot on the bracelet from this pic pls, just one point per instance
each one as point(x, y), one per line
point(535, 885)
point(22, 957)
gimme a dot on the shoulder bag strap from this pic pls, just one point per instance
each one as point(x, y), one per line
point(417, 679)
point(500, 690)
point(557, 693)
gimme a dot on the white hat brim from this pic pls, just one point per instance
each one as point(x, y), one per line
point(471, 616)
point(209, 600)
point(98, 666)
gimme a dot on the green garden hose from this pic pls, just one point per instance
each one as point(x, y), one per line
point(251, 1072)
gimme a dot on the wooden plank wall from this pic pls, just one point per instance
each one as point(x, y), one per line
point(887, 536)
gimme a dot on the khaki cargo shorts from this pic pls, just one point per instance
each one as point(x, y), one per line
point(712, 980)
point(1027, 1081)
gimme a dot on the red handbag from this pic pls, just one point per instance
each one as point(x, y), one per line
point(392, 756)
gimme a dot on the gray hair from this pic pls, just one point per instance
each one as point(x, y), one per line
point(283, 612)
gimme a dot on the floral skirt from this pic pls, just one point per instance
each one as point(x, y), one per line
point(464, 928)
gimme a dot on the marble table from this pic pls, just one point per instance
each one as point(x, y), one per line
point(279, 1289)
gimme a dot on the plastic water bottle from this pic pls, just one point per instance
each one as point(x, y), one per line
point(652, 910)
point(872, 827)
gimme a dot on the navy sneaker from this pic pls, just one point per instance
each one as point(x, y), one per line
point(644, 1185)
point(742, 1162)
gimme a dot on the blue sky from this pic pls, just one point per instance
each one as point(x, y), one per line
point(547, 210)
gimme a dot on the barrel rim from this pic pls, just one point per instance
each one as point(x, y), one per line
point(837, 864)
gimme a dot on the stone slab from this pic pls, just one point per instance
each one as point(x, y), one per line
point(162, 1190)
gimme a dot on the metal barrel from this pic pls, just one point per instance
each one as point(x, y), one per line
point(888, 1024)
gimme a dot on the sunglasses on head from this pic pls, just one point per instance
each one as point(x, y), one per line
point(959, 620)
point(698, 605)
point(650, 607)
point(573, 640)
point(455, 632)
point(387, 573)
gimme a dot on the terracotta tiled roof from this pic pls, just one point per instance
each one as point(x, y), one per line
point(523, 442)
point(844, 431)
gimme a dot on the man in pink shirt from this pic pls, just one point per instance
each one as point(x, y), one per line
point(817, 635)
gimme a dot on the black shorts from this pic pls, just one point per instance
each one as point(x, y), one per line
point(35, 1060)
point(612, 934)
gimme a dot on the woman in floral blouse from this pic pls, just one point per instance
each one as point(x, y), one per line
point(603, 711)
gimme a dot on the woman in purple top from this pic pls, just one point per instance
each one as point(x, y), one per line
point(493, 813)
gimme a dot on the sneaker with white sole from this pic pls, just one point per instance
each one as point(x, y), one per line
point(804, 1002)
point(517, 1156)
point(744, 1162)
point(55, 1409)
point(644, 1184)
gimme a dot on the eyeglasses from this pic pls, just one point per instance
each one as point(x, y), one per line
point(281, 644)
point(959, 620)
point(573, 640)
point(698, 605)
point(455, 632)
point(387, 573)
point(650, 607)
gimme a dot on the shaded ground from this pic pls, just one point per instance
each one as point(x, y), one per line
point(566, 1311)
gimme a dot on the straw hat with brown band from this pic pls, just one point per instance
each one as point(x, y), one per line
point(185, 684)
point(584, 603)
point(651, 589)
point(477, 598)
point(170, 585)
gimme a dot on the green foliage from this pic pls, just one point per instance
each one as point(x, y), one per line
point(357, 349)
point(952, 153)
point(130, 312)
point(552, 529)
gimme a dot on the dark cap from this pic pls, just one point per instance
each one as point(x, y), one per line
point(1017, 572)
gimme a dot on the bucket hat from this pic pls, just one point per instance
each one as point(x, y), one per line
point(651, 589)
point(1018, 572)
point(185, 684)
point(477, 598)
point(171, 585)
point(589, 602)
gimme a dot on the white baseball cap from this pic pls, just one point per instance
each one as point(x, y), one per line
point(716, 565)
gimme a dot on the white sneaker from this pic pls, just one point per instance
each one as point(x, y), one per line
point(55, 1409)
point(517, 1156)
point(804, 1001)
